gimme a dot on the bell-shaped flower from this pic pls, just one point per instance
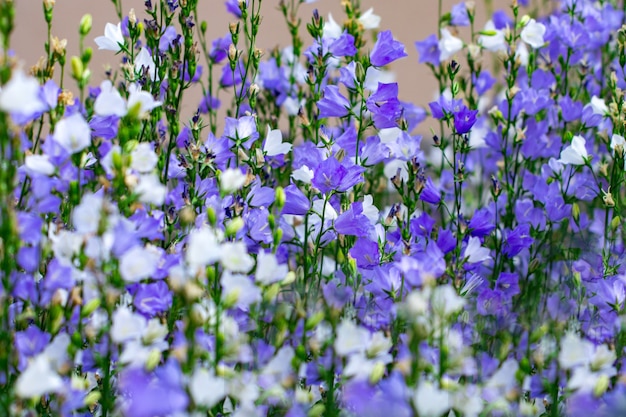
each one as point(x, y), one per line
point(73, 133)
point(234, 257)
point(386, 50)
point(369, 20)
point(143, 158)
point(238, 289)
point(533, 34)
point(332, 175)
point(207, 389)
point(231, 180)
point(22, 95)
point(448, 45)
point(274, 144)
point(333, 104)
point(618, 144)
point(351, 338)
point(138, 263)
point(492, 39)
point(151, 190)
point(113, 40)
point(268, 270)
point(475, 252)
point(203, 248)
point(140, 102)
point(38, 379)
point(109, 102)
point(39, 164)
point(574, 351)
point(576, 153)
point(144, 60)
point(127, 325)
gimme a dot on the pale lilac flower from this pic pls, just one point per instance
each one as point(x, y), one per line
point(430, 401)
point(494, 39)
point(618, 143)
point(22, 95)
point(141, 101)
point(576, 153)
point(151, 190)
point(474, 252)
point(73, 133)
point(598, 106)
point(38, 379)
point(239, 290)
point(113, 40)
point(203, 248)
point(143, 158)
point(574, 351)
point(522, 54)
point(39, 164)
point(533, 34)
point(86, 216)
point(234, 257)
point(331, 30)
point(127, 326)
point(274, 144)
point(144, 60)
point(268, 270)
point(232, 180)
point(138, 263)
point(351, 338)
point(445, 301)
point(369, 20)
point(207, 389)
point(448, 45)
point(304, 174)
point(109, 102)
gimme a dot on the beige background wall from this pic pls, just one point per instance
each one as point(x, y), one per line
point(409, 20)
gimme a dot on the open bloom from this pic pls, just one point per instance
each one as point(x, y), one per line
point(576, 153)
point(474, 252)
point(448, 45)
point(533, 33)
point(113, 40)
point(274, 144)
point(38, 379)
point(73, 133)
point(386, 50)
point(21, 95)
point(493, 40)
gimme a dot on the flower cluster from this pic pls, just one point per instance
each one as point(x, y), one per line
point(296, 248)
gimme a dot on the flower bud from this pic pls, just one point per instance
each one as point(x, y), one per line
point(601, 385)
point(211, 216)
point(576, 212)
point(317, 410)
point(85, 25)
point(270, 293)
point(92, 398)
point(377, 373)
point(314, 320)
point(153, 359)
point(90, 307)
point(77, 68)
point(232, 53)
point(233, 227)
point(615, 222)
point(280, 198)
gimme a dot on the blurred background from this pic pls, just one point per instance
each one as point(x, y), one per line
point(409, 20)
